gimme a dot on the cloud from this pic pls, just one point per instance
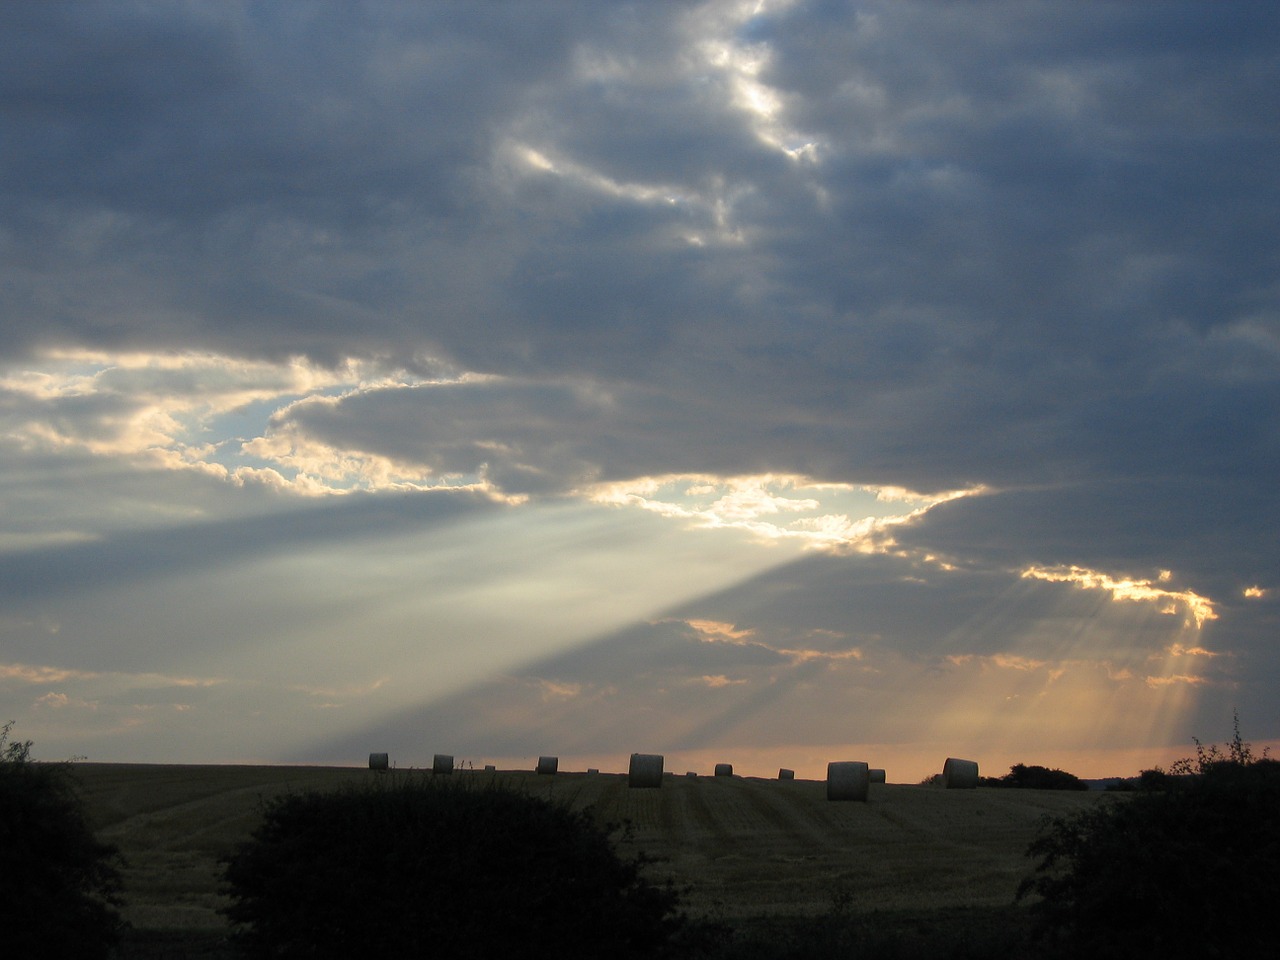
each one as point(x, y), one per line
point(1198, 609)
point(848, 316)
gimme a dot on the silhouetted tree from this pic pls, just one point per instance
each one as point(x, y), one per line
point(58, 885)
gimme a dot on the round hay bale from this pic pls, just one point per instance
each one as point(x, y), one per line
point(785, 774)
point(548, 764)
point(724, 769)
point(960, 774)
point(442, 763)
point(490, 768)
point(875, 775)
point(645, 770)
point(847, 780)
point(378, 761)
point(691, 775)
point(593, 769)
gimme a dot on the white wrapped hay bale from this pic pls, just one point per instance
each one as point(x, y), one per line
point(875, 775)
point(645, 770)
point(379, 761)
point(691, 775)
point(489, 768)
point(847, 780)
point(593, 769)
point(785, 774)
point(724, 769)
point(959, 774)
point(548, 764)
point(442, 763)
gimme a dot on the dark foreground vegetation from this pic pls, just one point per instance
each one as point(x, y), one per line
point(59, 887)
point(1186, 864)
point(1188, 867)
point(443, 868)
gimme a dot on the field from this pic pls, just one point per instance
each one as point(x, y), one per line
point(743, 847)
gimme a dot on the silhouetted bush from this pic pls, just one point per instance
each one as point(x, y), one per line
point(58, 884)
point(944, 933)
point(1024, 777)
point(1190, 869)
point(411, 866)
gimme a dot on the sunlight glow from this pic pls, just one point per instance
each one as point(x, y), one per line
point(540, 162)
point(721, 48)
point(712, 205)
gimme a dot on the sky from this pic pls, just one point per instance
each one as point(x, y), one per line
point(769, 383)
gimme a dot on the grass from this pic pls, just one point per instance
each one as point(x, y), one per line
point(774, 861)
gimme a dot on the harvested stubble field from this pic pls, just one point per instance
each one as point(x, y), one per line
point(742, 847)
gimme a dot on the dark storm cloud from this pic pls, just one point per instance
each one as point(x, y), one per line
point(1032, 246)
point(1019, 210)
point(260, 177)
point(1036, 245)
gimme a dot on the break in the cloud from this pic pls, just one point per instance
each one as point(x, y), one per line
point(375, 360)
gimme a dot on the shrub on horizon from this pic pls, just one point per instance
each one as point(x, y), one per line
point(59, 887)
point(416, 866)
point(1034, 777)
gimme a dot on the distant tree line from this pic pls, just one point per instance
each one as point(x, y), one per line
point(1023, 776)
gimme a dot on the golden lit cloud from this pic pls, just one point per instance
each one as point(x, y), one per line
point(810, 656)
point(720, 680)
point(552, 690)
point(713, 631)
point(184, 411)
point(341, 693)
point(28, 673)
point(1196, 608)
point(1178, 679)
point(839, 518)
point(39, 674)
point(1009, 662)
